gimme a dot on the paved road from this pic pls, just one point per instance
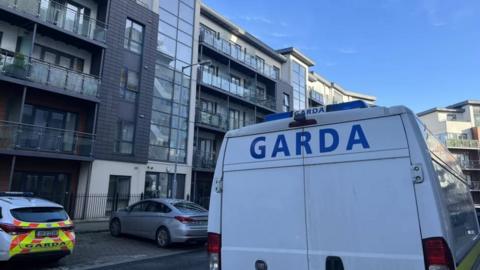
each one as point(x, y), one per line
point(94, 250)
point(196, 260)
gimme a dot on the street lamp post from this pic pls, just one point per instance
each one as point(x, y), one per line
point(177, 136)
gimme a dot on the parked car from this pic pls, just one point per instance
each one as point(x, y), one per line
point(32, 227)
point(164, 220)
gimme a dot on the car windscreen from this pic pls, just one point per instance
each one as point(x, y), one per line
point(187, 207)
point(39, 214)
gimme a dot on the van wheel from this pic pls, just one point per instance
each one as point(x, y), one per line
point(115, 228)
point(163, 237)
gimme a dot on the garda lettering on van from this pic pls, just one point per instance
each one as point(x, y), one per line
point(328, 141)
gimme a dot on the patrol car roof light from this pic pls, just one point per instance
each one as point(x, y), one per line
point(16, 194)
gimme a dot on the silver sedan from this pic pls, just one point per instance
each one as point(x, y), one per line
point(164, 220)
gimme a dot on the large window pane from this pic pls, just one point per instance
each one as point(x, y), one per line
point(170, 5)
point(163, 72)
point(189, 2)
point(185, 27)
point(186, 13)
point(160, 118)
point(162, 105)
point(158, 153)
point(167, 29)
point(163, 89)
point(159, 135)
point(184, 53)
point(166, 45)
point(185, 38)
point(167, 17)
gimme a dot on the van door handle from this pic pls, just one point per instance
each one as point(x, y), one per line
point(333, 263)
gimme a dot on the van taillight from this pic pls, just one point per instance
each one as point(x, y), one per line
point(437, 254)
point(214, 247)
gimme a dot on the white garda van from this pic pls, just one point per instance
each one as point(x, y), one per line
point(345, 187)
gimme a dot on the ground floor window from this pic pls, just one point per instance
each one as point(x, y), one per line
point(48, 185)
point(118, 195)
point(160, 185)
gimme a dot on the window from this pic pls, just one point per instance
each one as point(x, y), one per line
point(133, 36)
point(157, 207)
point(139, 207)
point(276, 72)
point(460, 210)
point(261, 92)
point(208, 106)
point(260, 63)
point(1, 36)
point(125, 134)
point(236, 80)
point(299, 85)
point(39, 214)
point(58, 58)
point(118, 193)
point(451, 117)
point(129, 82)
point(234, 119)
point(286, 102)
point(476, 116)
point(160, 185)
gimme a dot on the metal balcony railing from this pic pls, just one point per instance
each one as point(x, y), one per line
point(233, 51)
point(61, 16)
point(35, 70)
point(317, 97)
point(460, 143)
point(248, 93)
point(212, 119)
point(204, 160)
point(44, 139)
point(470, 164)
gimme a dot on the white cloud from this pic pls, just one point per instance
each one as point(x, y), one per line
point(260, 19)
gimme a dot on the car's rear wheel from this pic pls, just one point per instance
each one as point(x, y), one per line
point(115, 228)
point(163, 237)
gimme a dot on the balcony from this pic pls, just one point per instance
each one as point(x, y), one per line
point(204, 160)
point(470, 164)
point(315, 96)
point(248, 94)
point(216, 120)
point(19, 136)
point(34, 70)
point(226, 47)
point(60, 16)
point(463, 144)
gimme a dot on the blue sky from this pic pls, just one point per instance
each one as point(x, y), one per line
point(419, 53)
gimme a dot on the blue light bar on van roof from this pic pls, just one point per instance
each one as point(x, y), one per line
point(357, 104)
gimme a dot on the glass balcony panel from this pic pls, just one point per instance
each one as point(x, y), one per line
point(58, 14)
point(38, 72)
point(57, 77)
point(36, 138)
point(90, 85)
point(75, 82)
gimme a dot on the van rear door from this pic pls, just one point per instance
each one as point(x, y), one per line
point(263, 208)
point(361, 207)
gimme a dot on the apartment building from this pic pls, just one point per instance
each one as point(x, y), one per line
point(105, 102)
point(245, 80)
point(458, 127)
point(51, 63)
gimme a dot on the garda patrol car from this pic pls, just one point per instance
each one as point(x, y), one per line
point(344, 186)
point(33, 227)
